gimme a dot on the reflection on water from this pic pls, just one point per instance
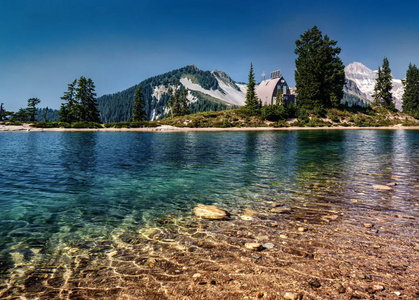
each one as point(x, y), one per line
point(61, 190)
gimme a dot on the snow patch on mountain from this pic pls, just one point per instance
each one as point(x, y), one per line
point(361, 82)
point(226, 92)
point(160, 90)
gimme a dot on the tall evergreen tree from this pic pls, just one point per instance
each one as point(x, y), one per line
point(320, 74)
point(251, 103)
point(69, 111)
point(411, 91)
point(174, 100)
point(93, 114)
point(32, 103)
point(138, 112)
point(383, 85)
point(2, 112)
point(171, 101)
point(184, 102)
point(86, 96)
point(22, 115)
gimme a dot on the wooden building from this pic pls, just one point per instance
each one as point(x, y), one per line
point(274, 90)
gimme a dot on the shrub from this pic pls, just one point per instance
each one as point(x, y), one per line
point(320, 112)
point(334, 118)
point(86, 125)
point(302, 117)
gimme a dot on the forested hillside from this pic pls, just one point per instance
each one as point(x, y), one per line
point(118, 107)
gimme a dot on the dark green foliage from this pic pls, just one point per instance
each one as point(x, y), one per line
point(4, 114)
point(302, 116)
point(352, 100)
point(81, 105)
point(382, 90)
point(277, 112)
point(86, 96)
point(138, 113)
point(252, 104)
point(32, 103)
point(319, 74)
point(411, 92)
point(22, 115)
point(50, 114)
point(203, 105)
point(84, 124)
point(174, 101)
point(184, 103)
point(69, 111)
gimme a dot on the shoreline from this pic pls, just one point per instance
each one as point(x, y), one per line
point(168, 128)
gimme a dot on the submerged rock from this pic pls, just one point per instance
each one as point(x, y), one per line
point(339, 288)
point(268, 246)
point(246, 218)
point(254, 246)
point(281, 209)
point(250, 213)
point(292, 296)
point(314, 283)
point(382, 187)
point(210, 212)
point(329, 218)
point(375, 288)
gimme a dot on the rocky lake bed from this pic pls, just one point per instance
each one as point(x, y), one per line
point(269, 251)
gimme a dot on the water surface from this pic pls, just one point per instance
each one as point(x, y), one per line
point(72, 189)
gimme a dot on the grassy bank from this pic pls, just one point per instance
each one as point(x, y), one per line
point(266, 117)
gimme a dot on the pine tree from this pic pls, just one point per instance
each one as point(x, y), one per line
point(93, 114)
point(86, 96)
point(184, 100)
point(382, 90)
point(2, 112)
point(21, 115)
point(411, 91)
point(319, 74)
point(174, 101)
point(170, 103)
point(251, 103)
point(69, 111)
point(32, 103)
point(138, 112)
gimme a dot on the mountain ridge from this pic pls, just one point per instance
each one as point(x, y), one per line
point(213, 90)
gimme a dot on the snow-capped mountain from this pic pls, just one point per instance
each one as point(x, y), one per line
point(206, 91)
point(360, 81)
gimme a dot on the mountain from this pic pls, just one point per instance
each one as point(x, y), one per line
point(207, 91)
point(360, 82)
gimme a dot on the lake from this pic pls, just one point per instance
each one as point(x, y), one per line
point(61, 191)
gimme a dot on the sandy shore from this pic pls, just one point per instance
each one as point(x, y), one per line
point(167, 128)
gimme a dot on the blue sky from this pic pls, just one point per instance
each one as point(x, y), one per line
point(46, 44)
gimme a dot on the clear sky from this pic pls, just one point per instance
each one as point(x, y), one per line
point(46, 44)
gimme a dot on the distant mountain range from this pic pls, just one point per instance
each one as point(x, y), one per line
point(360, 82)
point(215, 90)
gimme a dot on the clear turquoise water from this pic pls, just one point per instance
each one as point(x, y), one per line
point(61, 187)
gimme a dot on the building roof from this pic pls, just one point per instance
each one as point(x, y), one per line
point(267, 89)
